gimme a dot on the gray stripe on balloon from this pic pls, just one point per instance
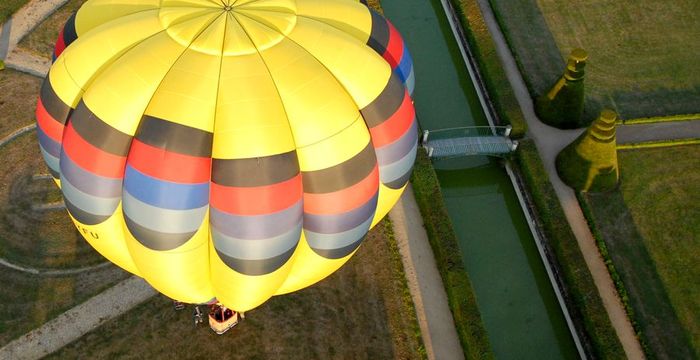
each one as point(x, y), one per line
point(398, 149)
point(160, 219)
point(88, 182)
point(92, 204)
point(256, 249)
point(156, 240)
point(256, 226)
point(255, 267)
point(83, 216)
point(337, 240)
point(338, 223)
point(394, 171)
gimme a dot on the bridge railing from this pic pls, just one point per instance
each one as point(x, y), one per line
point(471, 131)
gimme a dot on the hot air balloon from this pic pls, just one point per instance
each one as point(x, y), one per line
point(228, 150)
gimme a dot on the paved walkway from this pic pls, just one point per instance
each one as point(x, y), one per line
point(17, 27)
point(630, 134)
point(549, 142)
point(76, 322)
point(424, 281)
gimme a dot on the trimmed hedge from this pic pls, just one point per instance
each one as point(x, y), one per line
point(494, 77)
point(581, 295)
point(657, 144)
point(443, 240)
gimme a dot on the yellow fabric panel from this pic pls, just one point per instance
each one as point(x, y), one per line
point(108, 239)
point(96, 12)
point(187, 95)
point(309, 268)
point(243, 292)
point(349, 16)
point(361, 71)
point(64, 86)
point(181, 273)
point(316, 104)
point(335, 149)
point(387, 199)
point(94, 51)
point(250, 120)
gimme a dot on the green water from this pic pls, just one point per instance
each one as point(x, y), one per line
point(517, 303)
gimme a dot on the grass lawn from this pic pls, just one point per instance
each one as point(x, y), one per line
point(18, 94)
point(41, 41)
point(642, 52)
point(651, 226)
point(8, 7)
point(363, 311)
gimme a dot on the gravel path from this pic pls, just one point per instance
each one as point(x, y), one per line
point(424, 281)
point(549, 142)
point(79, 320)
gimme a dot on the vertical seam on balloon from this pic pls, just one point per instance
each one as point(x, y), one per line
point(210, 240)
point(286, 116)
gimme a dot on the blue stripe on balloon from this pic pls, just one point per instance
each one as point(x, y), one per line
point(405, 65)
point(51, 161)
point(165, 194)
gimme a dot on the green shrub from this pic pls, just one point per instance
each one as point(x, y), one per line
point(590, 162)
point(562, 106)
point(443, 240)
point(581, 295)
point(494, 77)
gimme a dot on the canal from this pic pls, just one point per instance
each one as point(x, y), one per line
point(515, 297)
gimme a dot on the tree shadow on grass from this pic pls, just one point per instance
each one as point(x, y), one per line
point(654, 314)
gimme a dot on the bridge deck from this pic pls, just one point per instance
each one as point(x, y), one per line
point(472, 145)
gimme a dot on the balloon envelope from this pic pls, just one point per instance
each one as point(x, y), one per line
point(233, 150)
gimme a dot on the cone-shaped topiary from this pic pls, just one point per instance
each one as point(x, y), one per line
point(562, 106)
point(590, 162)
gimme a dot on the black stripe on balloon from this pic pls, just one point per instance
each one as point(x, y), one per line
point(82, 216)
point(364, 2)
point(341, 176)
point(379, 38)
point(386, 104)
point(174, 137)
point(156, 240)
point(98, 133)
point(58, 110)
point(256, 267)
point(69, 32)
point(261, 171)
point(340, 252)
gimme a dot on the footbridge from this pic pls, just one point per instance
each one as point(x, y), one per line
point(472, 140)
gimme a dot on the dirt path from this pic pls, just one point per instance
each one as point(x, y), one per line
point(424, 281)
point(549, 142)
point(77, 321)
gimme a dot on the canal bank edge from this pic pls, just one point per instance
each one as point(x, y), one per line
point(443, 240)
point(482, 57)
point(569, 266)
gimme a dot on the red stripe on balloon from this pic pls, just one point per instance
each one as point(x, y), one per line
point(344, 200)
point(60, 44)
point(397, 124)
point(169, 166)
point(394, 50)
point(91, 158)
point(50, 126)
point(259, 200)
